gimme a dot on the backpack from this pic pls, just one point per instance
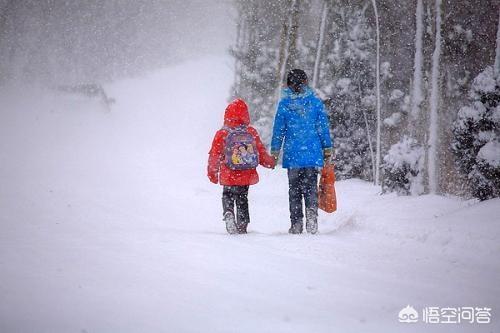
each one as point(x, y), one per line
point(240, 149)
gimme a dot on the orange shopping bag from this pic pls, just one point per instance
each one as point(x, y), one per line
point(327, 199)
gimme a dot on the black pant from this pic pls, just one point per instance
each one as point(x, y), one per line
point(238, 195)
point(302, 183)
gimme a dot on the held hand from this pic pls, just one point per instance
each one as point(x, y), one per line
point(328, 155)
point(275, 155)
point(275, 163)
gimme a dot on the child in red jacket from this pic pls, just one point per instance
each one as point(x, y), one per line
point(236, 151)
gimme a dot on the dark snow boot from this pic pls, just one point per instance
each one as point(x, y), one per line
point(296, 228)
point(311, 221)
point(230, 223)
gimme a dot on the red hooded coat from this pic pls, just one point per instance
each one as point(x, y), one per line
point(236, 115)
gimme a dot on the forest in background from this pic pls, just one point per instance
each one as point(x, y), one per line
point(429, 124)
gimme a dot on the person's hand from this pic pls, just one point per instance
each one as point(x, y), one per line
point(275, 154)
point(214, 177)
point(328, 155)
point(274, 163)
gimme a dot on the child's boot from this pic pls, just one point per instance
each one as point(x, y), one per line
point(230, 223)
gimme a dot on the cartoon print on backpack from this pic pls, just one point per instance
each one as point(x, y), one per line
point(241, 152)
point(235, 157)
point(249, 156)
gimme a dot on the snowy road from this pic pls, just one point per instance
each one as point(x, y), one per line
point(108, 224)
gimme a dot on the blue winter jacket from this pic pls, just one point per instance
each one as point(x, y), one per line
point(302, 124)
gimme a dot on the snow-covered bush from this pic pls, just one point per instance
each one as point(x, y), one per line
point(476, 131)
point(403, 167)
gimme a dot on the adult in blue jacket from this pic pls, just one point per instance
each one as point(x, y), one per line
point(301, 127)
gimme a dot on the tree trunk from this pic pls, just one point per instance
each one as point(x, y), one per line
point(434, 104)
point(282, 53)
point(238, 48)
point(418, 65)
point(292, 37)
point(319, 45)
point(368, 137)
point(497, 55)
point(377, 158)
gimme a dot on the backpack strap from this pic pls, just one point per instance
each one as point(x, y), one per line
point(234, 129)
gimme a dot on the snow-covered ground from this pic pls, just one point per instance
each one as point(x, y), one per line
point(109, 224)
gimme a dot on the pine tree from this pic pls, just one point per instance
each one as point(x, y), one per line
point(346, 82)
point(476, 132)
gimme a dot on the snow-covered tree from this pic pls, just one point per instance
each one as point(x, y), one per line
point(346, 82)
point(403, 167)
point(476, 132)
point(407, 178)
point(441, 45)
point(433, 141)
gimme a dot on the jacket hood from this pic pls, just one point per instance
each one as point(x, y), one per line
point(236, 114)
point(288, 93)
